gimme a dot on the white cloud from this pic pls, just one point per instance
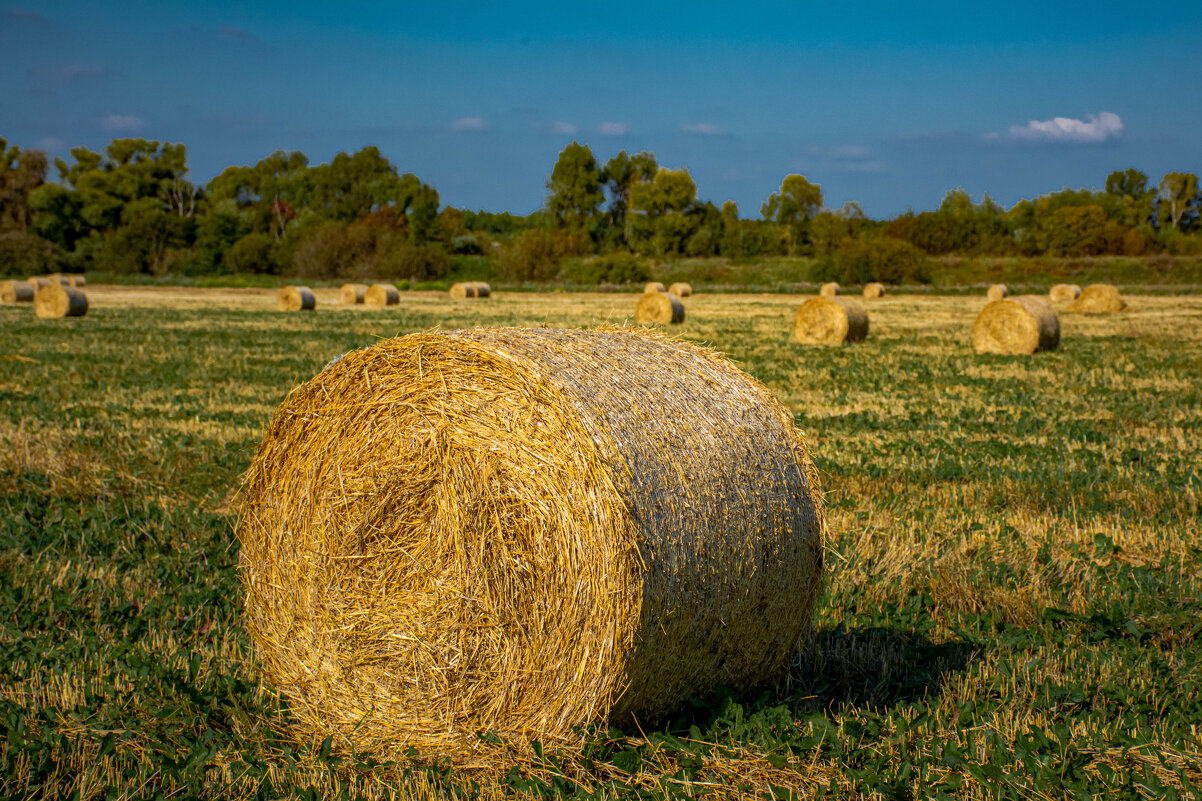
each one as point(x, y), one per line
point(701, 129)
point(612, 129)
point(122, 123)
point(1103, 126)
point(565, 128)
point(469, 124)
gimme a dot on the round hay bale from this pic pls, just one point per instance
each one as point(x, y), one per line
point(483, 290)
point(1063, 292)
point(997, 292)
point(654, 286)
point(827, 320)
point(352, 294)
point(296, 298)
point(1014, 326)
point(382, 295)
point(16, 292)
point(463, 290)
point(681, 289)
point(56, 300)
point(1098, 299)
point(475, 531)
point(829, 289)
point(61, 279)
point(38, 281)
point(874, 290)
point(659, 307)
point(76, 280)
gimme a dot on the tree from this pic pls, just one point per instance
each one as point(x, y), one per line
point(574, 188)
point(659, 211)
point(793, 207)
point(619, 174)
point(21, 173)
point(1178, 195)
point(1130, 187)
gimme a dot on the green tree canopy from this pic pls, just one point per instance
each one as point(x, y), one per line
point(574, 188)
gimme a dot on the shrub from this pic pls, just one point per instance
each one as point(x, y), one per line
point(535, 255)
point(414, 262)
point(23, 254)
point(466, 245)
point(612, 268)
point(253, 253)
point(878, 258)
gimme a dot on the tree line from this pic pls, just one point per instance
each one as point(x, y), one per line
point(132, 209)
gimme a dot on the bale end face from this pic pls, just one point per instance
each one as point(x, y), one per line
point(1098, 299)
point(659, 308)
point(829, 320)
point(874, 290)
point(463, 290)
point(681, 289)
point(654, 286)
point(997, 292)
point(296, 298)
point(56, 300)
point(1065, 292)
point(1016, 326)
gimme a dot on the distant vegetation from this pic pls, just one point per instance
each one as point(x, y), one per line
point(131, 211)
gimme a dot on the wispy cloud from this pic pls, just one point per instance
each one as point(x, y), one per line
point(1100, 128)
point(122, 123)
point(701, 129)
point(613, 129)
point(469, 124)
point(564, 128)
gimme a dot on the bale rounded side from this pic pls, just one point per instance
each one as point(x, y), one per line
point(1098, 299)
point(681, 289)
point(874, 289)
point(56, 300)
point(382, 295)
point(38, 281)
point(296, 298)
point(1065, 292)
point(477, 531)
point(659, 308)
point(997, 292)
point(829, 320)
point(829, 289)
point(16, 292)
point(352, 294)
point(1016, 326)
point(483, 290)
point(463, 290)
point(654, 286)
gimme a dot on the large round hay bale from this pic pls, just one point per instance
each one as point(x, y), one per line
point(681, 289)
point(997, 292)
point(1021, 325)
point(654, 286)
point(829, 289)
point(382, 295)
point(16, 292)
point(352, 294)
point(465, 532)
point(874, 289)
point(659, 307)
point(483, 290)
point(463, 290)
point(296, 298)
point(827, 320)
point(1098, 299)
point(56, 300)
point(1063, 292)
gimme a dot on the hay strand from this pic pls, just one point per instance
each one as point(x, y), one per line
point(997, 292)
point(382, 295)
point(681, 289)
point(654, 286)
point(463, 290)
point(296, 298)
point(352, 294)
point(16, 292)
point(483, 531)
point(56, 300)
point(829, 289)
point(1065, 292)
point(1016, 326)
point(874, 290)
point(827, 320)
point(1098, 299)
point(659, 308)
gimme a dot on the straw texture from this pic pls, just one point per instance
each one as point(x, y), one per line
point(296, 298)
point(681, 289)
point(1016, 326)
point(829, 289)
point(997, 292)
point(827, 320)
point(874, 290)
point(660, 308)
point(1062, 292)
point(487, 531)
point(352, 294)
point(483, 290)
point(56, 300)
point(1098, 299)
point(463, 290)
point(654, 286)
point(16, 292)
point(382, 295)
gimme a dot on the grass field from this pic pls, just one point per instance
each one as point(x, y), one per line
point(1014, 596)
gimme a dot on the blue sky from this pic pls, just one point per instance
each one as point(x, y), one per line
point(890, 104)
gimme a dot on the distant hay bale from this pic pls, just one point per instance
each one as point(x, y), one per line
point(654, 286)
point(1098, 299)
point(997, 292)
point(607, 287)
point(483, 290)
point(296, 298)
point(16, 292)
point(352, 294)
point(463, 290)
point(660, 308)
point(874, 290)
point(56, 300)
point(60, 279)
point(1062, 292)
point(76, 280)
point(829, 289)
point(38, 281)
point(465, 532)
point(382, 295)
point(1014, 326)
point(681, 289)
point(827, 320)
